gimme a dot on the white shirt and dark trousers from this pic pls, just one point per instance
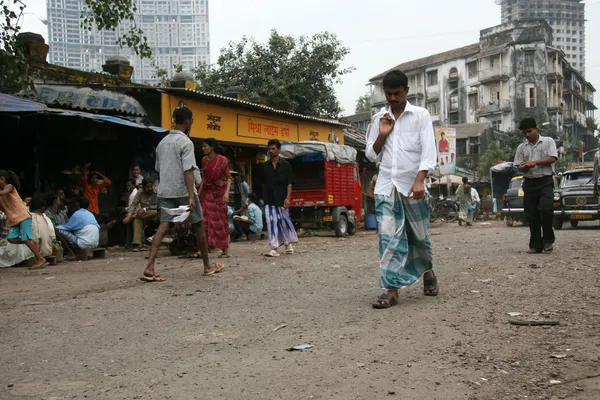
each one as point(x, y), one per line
point(538, 190)
point(404, 246)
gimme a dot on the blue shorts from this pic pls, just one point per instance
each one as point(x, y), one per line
point(195, 217)
point(21, 231)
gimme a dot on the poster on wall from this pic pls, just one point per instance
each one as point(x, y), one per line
point(446, 146)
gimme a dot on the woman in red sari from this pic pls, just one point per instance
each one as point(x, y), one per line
point(214, 196)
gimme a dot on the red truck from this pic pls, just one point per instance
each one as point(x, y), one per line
point(327, 193)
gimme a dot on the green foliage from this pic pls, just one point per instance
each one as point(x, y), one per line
point(489, 159)
point(295, 74)
point(467, 161)
point(163, 74)
point(563, 163)
point(363, 104)
point(13, 66)
point(109, 15)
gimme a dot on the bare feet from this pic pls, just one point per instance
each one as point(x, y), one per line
point(39, 264)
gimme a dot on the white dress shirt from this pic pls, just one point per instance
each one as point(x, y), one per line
point(408, 149)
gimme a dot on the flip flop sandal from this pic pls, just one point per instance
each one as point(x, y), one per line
point(380, 303)
point(148, 278)
point(430, 287)
point(218, 267)
point(43, 266)
point(224, 255)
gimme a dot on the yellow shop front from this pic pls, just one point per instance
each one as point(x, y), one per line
point(243, 129)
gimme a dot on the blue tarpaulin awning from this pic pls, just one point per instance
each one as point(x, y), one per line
point(105, 118)
point(14, 104)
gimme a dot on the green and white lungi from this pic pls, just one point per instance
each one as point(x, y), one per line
point(404, 246)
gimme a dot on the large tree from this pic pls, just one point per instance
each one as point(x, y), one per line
point(100, 14)
point(363, 104)
point(295, 74)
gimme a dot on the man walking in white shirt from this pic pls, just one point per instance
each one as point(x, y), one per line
point(402, 140)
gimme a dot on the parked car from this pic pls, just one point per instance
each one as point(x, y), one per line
point(512, 203)
point(574, 199)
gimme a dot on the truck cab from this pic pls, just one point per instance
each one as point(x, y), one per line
point(327, 193)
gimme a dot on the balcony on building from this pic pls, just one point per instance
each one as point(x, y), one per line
point(494, 107)
point(555, 105)
point(496, 73)
point(555, 71)
point(377, 95)
point(415, 92)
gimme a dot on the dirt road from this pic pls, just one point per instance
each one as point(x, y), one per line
point(93, 330)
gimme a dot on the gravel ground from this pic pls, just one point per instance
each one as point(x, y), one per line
point(93, 330)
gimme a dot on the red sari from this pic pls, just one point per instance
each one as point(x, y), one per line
point(215, 174)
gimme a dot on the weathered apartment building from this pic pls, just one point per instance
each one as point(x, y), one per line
point(566, 17)
point(513, 71)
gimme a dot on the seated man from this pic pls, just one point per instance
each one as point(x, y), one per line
point(143, 209)
point(253, 222)
point(55, 210)
point(81, 232)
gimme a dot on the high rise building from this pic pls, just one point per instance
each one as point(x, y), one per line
point(566, 17)
point(177, 31)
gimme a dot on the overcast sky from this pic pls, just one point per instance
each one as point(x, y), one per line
point(380, 34)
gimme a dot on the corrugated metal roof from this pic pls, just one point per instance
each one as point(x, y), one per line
point(14, 104)
point(247, 104)
point(356, 138)
point(433, 60)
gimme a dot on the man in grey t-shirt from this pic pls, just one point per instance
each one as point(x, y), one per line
point(176, 164)
point(534, 158)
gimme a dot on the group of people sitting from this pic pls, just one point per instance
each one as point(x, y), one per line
point(40, 227)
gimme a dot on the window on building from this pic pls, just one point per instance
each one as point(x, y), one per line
point(528, 61)
point(497, 124)
point(473, 101)
point(495, 93)
point(433, 108)
point(472, 69)
point(530, 95)
point(432, 78)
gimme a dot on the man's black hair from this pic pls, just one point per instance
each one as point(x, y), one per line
point(146, 182)
point(253, 197)
point(182, 114)
point(37, 203)
point(527, 123)
point(395, 79)
point(465, 180)
point(84, 203)
point(132, 181)
point(275, 142)
point(51, 198)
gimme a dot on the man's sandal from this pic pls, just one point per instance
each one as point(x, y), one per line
point(430, 287)
point(385, 301)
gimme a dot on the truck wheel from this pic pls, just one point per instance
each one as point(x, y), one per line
point(557, 224)
point(574, 224)
point(341, 227)
point(509, 221)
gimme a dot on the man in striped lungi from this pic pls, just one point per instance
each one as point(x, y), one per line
point(402, 140)
point(277, 197)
